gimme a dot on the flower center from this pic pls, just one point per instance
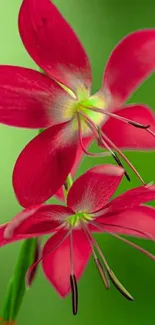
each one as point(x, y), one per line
point(77, 218)
point(84, 106)
point(84, 103)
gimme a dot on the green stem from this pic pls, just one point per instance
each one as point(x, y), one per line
point(16, 288)
point(67, 186)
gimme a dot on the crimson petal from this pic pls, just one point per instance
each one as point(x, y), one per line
point(126, 136)
point(93, 189)
point(30, 99)
point(138, 222)
point(79, 156)
point(39, 217)
point(44, 164)
point(132, 198)
point(57, 264)
point(131, 61)
point(33, 222)
point(52, 43)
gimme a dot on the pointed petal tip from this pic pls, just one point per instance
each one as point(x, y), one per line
point(45, 156)
point(53, 45)
point(127, 137)
point(92, 190)
point(130, 63)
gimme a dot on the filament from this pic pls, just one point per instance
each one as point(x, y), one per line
point(30, 269)
point(91, 154)
point(123, 156)
point(122, 227)
point(98, 263)
point(121, 118)
point(73, 282)
point(111, 274)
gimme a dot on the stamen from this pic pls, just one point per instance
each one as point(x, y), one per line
point(149, 184)
point(71, 253)
point(103, 137)
point(91, 124)
point(120, 118)
point(111, 274)
point(123, 156)
point(74, 291)
point(119, 286)
point(151, 132)
point(121, 165)
point(91, 154)
point(30, 269)
point(98, 263)
point(73, 282)
point(102, 273)
point(142, 250)
point(94, 223)
point(137, 125)
point(92, 127)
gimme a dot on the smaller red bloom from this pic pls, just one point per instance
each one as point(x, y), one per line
point(89, 209)
point(62, 101)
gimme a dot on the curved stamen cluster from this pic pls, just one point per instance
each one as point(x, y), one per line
point(101, 263)
point(87, 210)
point(104, 141)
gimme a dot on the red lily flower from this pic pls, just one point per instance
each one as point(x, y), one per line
point(61, 100)
point(89, 209)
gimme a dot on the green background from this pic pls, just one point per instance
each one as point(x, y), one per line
point(100, 24)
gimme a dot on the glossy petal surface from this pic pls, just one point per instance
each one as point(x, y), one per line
point(44, 164)
point(52, 43)
point(132, 198)
point(39, 216)
point(138, 222)
point(33, 223)
point(131, 61)
point(126, 136)
point(57, 264)
point(30, 99)
point(93, 189)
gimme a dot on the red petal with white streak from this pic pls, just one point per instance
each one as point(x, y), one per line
point(44, 164)
point(57, 263)
point(130, 63)
point(92, 190)
point(53, 44)
point(126, 136)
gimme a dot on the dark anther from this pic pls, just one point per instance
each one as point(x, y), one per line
point(119, 286)
point(66, 186)
point(137, 125)
point(121, 165)
point(74, 290)
point(102, 272)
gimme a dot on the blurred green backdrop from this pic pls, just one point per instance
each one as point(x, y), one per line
point(100, 24)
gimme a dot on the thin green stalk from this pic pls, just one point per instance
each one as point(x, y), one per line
point(67, 185)
point(16, 288)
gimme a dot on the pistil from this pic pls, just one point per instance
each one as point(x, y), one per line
point(120, 118)
point(111, 274)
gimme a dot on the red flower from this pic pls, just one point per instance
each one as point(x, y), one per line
point(61, 100)
point(88, 210)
